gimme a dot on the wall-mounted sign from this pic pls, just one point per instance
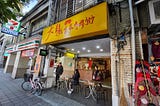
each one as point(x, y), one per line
point(37, 64)
point(43, 52)
point(11, 28)
point(25, 45)
point(28, 53)
point(51, 63)
point(71, 55)
point(91, 22)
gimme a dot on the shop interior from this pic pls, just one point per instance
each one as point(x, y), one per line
point(88, 54)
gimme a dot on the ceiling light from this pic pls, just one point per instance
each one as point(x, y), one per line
point(72, 49)
point(78, 51)
point(88, 50)
point(101, 50)
point(83, 48)
point(97, 47)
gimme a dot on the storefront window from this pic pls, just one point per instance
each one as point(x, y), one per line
point(87, 66)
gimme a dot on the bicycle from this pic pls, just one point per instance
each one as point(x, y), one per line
point(29, 84)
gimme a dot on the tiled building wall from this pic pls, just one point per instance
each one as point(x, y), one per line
point(121, 62)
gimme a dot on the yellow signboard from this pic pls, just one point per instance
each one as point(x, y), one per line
point(71, 55)
point(85, 24)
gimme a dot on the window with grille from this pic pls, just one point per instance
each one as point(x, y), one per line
point(154, 10)
point(156, 7)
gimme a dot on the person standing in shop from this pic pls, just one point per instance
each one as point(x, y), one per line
point(95, 74)
point(59, 71)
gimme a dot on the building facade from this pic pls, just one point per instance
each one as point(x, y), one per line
point(75, 33)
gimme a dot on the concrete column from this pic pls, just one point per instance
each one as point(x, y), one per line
point(121, 71)
point(2, 52)
point(9, 63)
point(114, 73)
point(48, 71)
point(16, 64)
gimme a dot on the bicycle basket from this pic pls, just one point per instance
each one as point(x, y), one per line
point(28, 76)
point(43, 79)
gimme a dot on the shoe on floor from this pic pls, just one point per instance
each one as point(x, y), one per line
point(71, 90)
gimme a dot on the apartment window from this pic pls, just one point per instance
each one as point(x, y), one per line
point(81, 5)
point(63, 9)
point(78, 5)
point(38, 24)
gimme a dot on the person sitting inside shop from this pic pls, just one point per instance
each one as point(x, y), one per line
point(74, 80)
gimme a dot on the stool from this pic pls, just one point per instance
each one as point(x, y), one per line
point(86, 89)
point(77, 88)
point(61, 84)
point(101, 94)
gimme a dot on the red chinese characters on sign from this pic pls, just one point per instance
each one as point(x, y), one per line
point(70, 25)
point(76, 25)
point(89, 20)
point(50, 31)
point(86, 21)
point(58, 30)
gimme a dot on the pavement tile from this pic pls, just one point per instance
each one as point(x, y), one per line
point(21, 104)
point(12, 94)
point(8, 104)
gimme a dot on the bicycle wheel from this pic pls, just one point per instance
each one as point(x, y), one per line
point(26, 86)
point(37, 90)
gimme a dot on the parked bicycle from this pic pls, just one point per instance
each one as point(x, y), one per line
point(35, 86)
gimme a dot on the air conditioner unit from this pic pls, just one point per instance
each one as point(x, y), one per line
point(154, 10)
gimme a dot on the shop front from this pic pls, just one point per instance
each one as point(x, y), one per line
point(22, 57)
point(85, 36)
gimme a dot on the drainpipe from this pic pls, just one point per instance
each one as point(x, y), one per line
point(132, 40)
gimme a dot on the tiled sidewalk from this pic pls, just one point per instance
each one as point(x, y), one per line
point(11, 94)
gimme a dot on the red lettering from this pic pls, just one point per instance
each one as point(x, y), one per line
point(67, 21)
point(58, 30)
point(81, 24)
point(51, 30)
point(68, 26)
point(89, 20)
point(76, 25)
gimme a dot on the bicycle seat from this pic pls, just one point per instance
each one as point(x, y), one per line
point(35, 80)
